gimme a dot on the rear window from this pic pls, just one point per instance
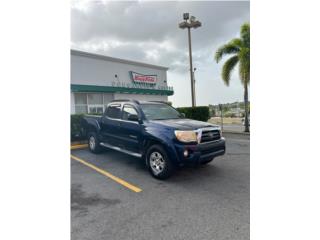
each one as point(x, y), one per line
point(114, 111)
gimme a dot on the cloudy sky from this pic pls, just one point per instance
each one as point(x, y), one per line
point(148, 32)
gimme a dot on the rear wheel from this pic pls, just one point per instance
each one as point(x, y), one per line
point(93, 142)
point(158, 162)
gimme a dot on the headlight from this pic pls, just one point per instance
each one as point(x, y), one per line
point(186, 136)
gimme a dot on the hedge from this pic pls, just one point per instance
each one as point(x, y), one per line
point(77, 131)
point(200, 113)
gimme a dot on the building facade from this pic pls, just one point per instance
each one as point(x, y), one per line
point(96, 80)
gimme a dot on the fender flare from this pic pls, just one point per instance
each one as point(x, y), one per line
point(165, 142)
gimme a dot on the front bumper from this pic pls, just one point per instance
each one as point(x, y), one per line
point(202, 152)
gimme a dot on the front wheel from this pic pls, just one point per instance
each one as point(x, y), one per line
point(93, 142)
point(158, 162)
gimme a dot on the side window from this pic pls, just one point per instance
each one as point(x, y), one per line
point(127, 109)
point(114, 111)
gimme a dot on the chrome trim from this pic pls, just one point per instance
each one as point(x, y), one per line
point(121, 150)
point(210, 128)
point(199, 135)
point(98, 124)
point(133, 136)
point(200, 130)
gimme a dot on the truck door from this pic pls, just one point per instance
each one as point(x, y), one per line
point(111, 125)
point(130, 130)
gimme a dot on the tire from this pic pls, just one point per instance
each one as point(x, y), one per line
point(158, 162)
point(206, 162)
point(93, 143)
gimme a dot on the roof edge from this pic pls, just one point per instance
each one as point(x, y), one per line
point(103, 57)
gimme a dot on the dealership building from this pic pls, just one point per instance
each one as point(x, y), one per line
point(96, 80)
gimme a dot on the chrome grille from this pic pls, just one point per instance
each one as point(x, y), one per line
point(210, 135)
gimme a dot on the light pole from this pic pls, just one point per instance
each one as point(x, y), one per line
point(190, 23)
point(194, 85)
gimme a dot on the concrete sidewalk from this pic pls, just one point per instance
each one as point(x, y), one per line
point(232, 128)
point(230, 125)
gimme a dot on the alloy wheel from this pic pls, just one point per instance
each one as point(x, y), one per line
point(157, 162)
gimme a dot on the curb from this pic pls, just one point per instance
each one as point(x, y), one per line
point(78, 146)
point(79, 142)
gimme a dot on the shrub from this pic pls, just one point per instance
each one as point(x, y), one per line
point(196, 113)
point(230, 115)
point(77, 131)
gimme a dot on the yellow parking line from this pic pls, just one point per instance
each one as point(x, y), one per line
point(79, 146)
point(109, 175)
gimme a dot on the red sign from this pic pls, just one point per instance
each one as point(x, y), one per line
point(141, 78)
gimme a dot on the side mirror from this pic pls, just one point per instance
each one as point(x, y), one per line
point(133, 117)
point(183, 115)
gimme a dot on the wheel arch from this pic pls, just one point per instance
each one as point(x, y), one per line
point(169, 148)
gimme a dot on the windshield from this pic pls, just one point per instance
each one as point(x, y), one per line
point(159, 111)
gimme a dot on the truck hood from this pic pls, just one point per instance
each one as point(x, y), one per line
point(183, 124)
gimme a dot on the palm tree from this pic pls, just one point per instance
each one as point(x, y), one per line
point(239, 49)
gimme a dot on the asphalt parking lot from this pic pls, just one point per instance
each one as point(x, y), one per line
point(123, 201)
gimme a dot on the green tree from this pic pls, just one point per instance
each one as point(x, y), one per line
point(239, 51)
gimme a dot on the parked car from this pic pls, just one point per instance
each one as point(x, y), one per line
point(156, 132)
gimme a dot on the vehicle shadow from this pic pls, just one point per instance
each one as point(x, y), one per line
point(185, 173)
point(110, 159)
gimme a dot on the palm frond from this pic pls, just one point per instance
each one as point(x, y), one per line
point(227, 69)
point(229, 48)
point(236, 42)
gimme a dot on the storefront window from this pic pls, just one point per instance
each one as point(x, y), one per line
point(80, 98)
point(95, 103)
point(107, 98)
point(95, 109)
point(92, 103)
point(95, 98)
point(81, 109)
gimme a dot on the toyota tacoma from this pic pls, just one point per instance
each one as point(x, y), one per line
point(156, 132)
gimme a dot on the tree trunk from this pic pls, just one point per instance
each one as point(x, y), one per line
point(246, 108)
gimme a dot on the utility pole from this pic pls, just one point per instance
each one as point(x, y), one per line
point(221, 115)
point(194, 86)
point(191, 70)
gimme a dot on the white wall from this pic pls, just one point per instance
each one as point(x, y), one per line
point(91, 71)
point(141, 97)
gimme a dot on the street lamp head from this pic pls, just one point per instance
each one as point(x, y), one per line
point(183, 25)
point(192, 18)
point(185, 16)
point(195, 24)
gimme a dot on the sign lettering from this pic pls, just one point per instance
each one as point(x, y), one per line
point(141, 78)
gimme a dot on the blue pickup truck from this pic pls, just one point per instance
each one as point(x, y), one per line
point(156, 132)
